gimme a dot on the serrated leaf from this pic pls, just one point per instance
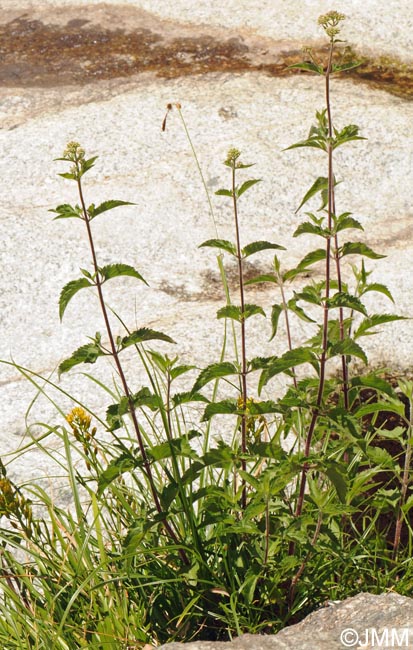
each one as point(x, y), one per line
point(85, 354)
point(144, 397)
point(358, 248)
point(299, 311)
point(105, 206)
point(342, 67)
point(380, 457)
point(223, 193)
point(245, 186)
point(348, 347)
point(69, 290)
point(347, 222)
point(234, 312)
point(189, 396)
point(380, 288)
point(88, 164)
point(124, 463)
point(309, 228)
point(342, 299)
point(223, 244)
point(379, 407)
point(314, 256)
point(214, 371)
point(265, 277)
point(338, 479)
point(175, 447)
point(373, 321)
point(66, 211)
point(230, 311)
point(257, 246)
point(115, 270)
point(177, 371)
point(288, 360)
point(225, 407)
point(68, 175)
point(308, 66)
point(143, 334)
point(320, 184)
point(372, 381)
point(276, 310)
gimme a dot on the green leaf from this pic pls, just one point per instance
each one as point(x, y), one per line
point(358, 248)
point(105, 206)
point(315, 256)
point(373, 321)
point(299, 311)
point(288, 360)
point(348, 347)
point(344, 222)
point(223, 244)
point(308, 66)
point(226, 407)
point(380, 288)
point(342, 299)
point(177, 371)
point(230, 311)
point(223, 193)
point(144, 397)
point(380, 457)
point(342, 67)
point(275, 316)
point(124, 463)
point(85, 354)
point(309, 228)
point(176, 447)
point(234, 312)
point(245, 186)
point(69, 290)
point(68, 175)
point(379, 407)
point(338, 479)
point(347, 134)
point(115, 270)
point(257, 246)
point(320, 184)
point(265, 277)
point(88, 164)
point(372, 381)
point(189, 396)
point(66, 211)
point(141, 335)
point(214, 371)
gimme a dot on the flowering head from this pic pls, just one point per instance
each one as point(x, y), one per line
point(330, 21)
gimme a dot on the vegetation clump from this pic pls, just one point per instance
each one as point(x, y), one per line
point(177, 533)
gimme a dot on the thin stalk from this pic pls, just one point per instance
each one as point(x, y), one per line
point(115, 355)
point(323, 357)
point(406, 478)
point(287, 321)
point(244, 394)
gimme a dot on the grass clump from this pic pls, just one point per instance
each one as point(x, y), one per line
point(175, 533)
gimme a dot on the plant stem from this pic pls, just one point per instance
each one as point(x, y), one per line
point(121, 373)
point(244, 394)
point(323, 357)
point(405, 480)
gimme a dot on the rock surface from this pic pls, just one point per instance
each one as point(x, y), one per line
point(364, 621)
point(113, 102)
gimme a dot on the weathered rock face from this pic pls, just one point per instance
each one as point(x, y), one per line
point(365, 621)
point(102, 75)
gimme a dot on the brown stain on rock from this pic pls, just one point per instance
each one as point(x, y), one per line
point(81, 47)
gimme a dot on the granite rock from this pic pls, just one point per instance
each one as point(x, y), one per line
point(364, 621)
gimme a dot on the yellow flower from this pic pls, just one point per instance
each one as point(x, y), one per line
point(79, 419)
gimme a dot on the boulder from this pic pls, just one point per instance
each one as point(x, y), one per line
point(364, 621)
